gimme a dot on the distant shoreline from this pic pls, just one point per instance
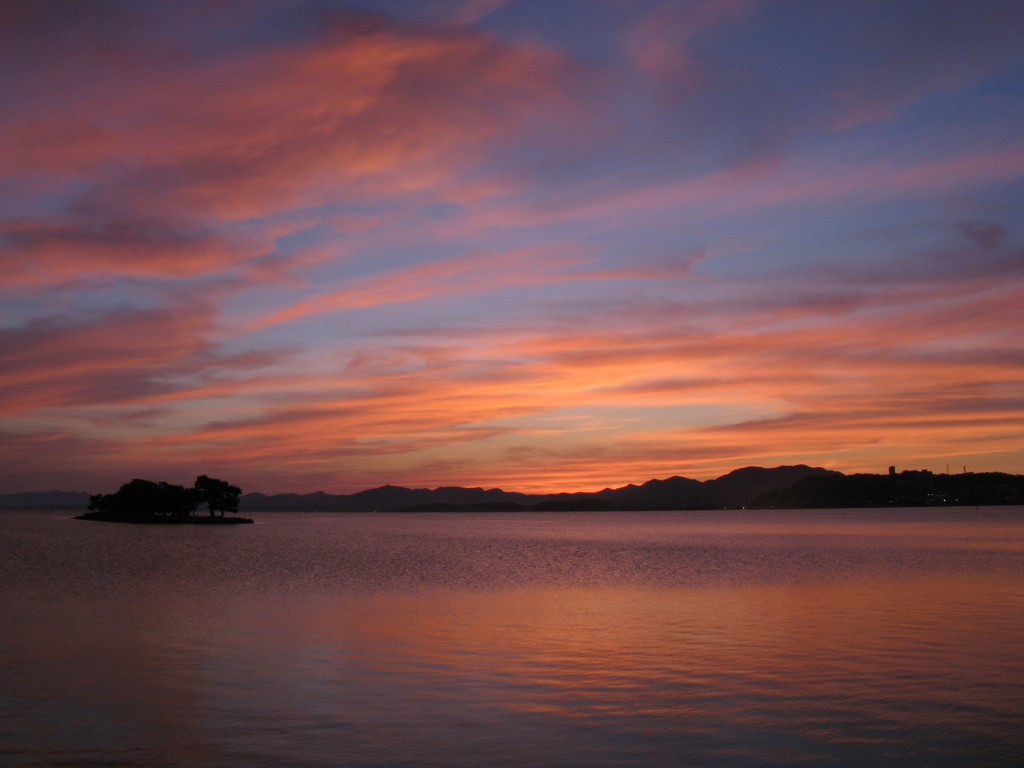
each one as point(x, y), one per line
point(786, 487)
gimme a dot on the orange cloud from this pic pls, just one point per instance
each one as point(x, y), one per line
point(883, 379)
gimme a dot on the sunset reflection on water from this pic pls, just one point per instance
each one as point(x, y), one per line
point(576, 640)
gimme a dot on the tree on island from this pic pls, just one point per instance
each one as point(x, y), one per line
point(146, 499)
point(218, 494)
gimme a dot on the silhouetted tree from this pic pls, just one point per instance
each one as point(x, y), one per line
point(177, 501)
point(144, 498)
point(219, 495)
point(101, 502)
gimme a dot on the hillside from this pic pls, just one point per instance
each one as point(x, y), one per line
point(904, 489)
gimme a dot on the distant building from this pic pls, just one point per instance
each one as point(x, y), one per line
point(892, 471)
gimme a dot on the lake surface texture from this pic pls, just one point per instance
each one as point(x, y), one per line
point(839, 638)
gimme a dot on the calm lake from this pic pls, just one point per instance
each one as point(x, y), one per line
point(841, 638)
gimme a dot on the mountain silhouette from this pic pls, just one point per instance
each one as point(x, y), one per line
point(785, 487)
point(736, 489)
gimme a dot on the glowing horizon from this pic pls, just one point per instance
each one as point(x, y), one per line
point(508, 244)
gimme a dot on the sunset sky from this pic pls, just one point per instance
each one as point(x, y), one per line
point(530, 244)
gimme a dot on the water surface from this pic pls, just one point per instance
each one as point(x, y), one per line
point(842, 638)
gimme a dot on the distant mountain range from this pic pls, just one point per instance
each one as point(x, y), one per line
point(736, 489)
point(787, 487)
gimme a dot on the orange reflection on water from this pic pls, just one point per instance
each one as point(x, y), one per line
point(751, 655)
point(636, 639)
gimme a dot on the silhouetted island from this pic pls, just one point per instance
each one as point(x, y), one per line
point(143, 501)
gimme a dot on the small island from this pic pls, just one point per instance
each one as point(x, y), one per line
point(143, 501)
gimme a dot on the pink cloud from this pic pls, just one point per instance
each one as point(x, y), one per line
point(660, 41)
point(370, 108)
point(40, 254)
point(436, 278)
point(736, 190)
point(476, 274)
point(472, 11)
point(121, 357)
point(138, 168)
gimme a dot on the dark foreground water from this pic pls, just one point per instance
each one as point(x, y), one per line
point(840, 638)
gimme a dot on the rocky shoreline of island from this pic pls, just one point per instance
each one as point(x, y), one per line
point(154, 520)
